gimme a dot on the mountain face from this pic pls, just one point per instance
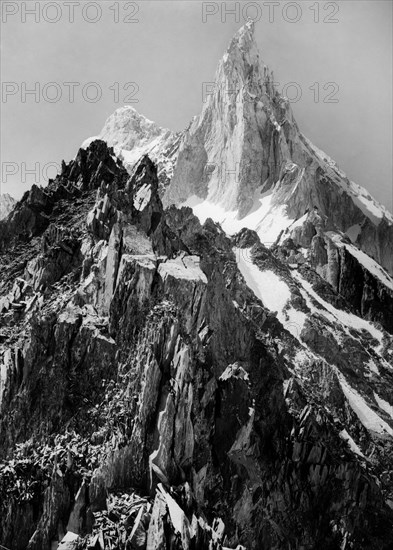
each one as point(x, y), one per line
point(167, 383)
point(236, 144)
point(244, 160)
point(7, 203)
point(244, 163)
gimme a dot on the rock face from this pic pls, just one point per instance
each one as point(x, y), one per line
point(7, 203)
point(236, 144)
point(156, 393)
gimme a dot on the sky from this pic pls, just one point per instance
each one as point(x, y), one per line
point(332, 59)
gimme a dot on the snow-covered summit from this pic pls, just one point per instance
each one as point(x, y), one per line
point(132, 136)
point(126, 128)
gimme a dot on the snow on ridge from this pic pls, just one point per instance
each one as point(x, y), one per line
point(266, 285)
point(130, 109)
point(273, 292)
point(267, 221)
point(371, 265)
point(359, 195)
point(183, 267)
point(142, 197)
point(364, 259)
point(89, 141)
point(352, 445)
point(287, 231)
point(384, 405)
point(370, 419)
point(299, 222)
point(365, 201)
point(349, 320)
point(69, 537)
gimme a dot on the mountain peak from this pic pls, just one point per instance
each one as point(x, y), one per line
point(243, 50)
point(236, 124)
point(245, 162)
point(127, 128)
point(245, 35)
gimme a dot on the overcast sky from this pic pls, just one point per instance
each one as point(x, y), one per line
point(165, 53)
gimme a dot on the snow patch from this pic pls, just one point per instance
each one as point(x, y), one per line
point(370, 420)
point(268, 221)
point(177, 515)
point(360, 196)
point(301, 356)
point(347, 319)
point(272, 291)
point(373, 367)
point(384, 405)
point(364, 259)
point(142, 197)
point(346, 437)
point(294, 321)
point(285, 385)
point(68, 537)
point(299, 222)
point(371, 265)
point(183, 267)
point(370, 208)
point(234, 371)
point(266, 285)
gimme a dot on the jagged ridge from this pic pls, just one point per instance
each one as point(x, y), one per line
point(147, 364)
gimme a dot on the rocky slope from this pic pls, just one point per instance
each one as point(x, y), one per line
point(7, 203)
point(155, 392)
